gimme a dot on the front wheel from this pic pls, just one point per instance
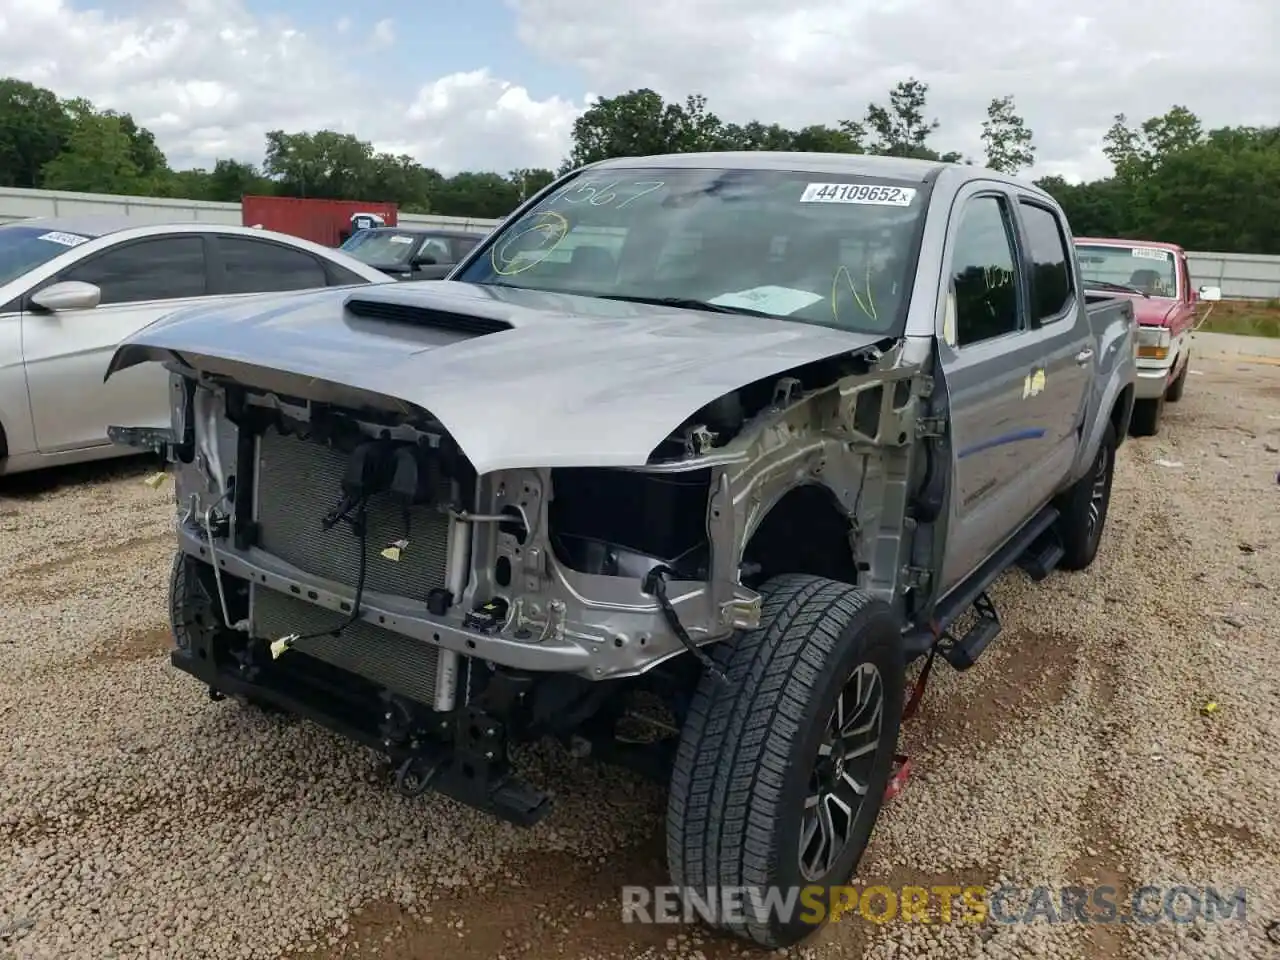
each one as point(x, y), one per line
point(1174, 393)
point(1145, 421)
point(195, 614)
point(780, 774)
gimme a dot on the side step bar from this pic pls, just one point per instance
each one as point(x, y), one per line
point(1043, 556)
point(1036, 543)
point(964, 653)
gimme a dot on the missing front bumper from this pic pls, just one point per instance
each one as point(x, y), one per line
point(468, 754)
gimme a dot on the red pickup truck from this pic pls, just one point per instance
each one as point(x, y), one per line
point(1156, 278)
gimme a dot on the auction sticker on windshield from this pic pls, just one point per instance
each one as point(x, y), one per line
point(778, 300)
point(1150, 253)
point(878, 193)
point(66, 239)
point(402, 239)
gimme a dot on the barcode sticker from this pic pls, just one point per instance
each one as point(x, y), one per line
point(66, 239)
point(1150, 253)
point(881, 194)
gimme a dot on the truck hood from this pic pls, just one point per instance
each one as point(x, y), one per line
point(1153, 312)
point(519, 378)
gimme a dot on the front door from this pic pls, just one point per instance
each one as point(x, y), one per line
point(990, 359)
point(66, 353)
point(438, 250)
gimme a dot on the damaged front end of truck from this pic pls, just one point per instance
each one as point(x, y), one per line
point(376, 559)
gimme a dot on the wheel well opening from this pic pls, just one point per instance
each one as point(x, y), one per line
point(805, 532)
point(1119, 413)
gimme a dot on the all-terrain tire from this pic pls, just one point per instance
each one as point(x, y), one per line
point(1174, 393)
point(1084, 507)
point(193, 606)
point(1146, 417)
point(748, 749)
point(189, 606)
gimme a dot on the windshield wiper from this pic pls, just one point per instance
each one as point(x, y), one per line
point(687, 303)
point(1108, 285)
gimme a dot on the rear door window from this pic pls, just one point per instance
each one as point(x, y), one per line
point(259, 266)
point(1051, 287)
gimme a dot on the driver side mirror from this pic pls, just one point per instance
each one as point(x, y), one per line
point(67, 295)
point(1211, 294)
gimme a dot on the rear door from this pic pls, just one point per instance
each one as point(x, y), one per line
point(989, 354)
point(1060, 325)
point(66, 353)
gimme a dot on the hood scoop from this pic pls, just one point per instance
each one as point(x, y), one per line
point(389, 311)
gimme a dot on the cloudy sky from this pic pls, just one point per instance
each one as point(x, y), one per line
point(496, 84)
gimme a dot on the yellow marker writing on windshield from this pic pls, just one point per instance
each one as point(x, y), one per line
point(553, 229)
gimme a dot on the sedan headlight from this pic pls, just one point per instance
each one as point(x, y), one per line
point(1153, 343)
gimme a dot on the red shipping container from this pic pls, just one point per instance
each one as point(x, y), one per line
point(326, 222)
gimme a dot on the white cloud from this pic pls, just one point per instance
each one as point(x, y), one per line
point(1071, 67)
point(210, 79)
point(384, 33)
point(485, 113)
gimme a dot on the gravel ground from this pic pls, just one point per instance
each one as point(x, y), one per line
point(138, 819)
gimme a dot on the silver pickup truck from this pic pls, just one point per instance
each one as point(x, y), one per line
point(682, 466)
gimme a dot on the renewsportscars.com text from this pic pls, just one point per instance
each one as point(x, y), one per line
point(936, 904)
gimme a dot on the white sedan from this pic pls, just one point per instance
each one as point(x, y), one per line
point(73, 288)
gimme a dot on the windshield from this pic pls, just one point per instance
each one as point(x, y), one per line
point(24, 248)
point(835, 250)
point(1148, 270)
point(383, 246)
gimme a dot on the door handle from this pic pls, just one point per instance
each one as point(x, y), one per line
point(1084, 356)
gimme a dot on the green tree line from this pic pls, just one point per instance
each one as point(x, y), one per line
point(1172, 180)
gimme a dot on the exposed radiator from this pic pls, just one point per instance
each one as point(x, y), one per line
point(298, 483)
point(403, 665)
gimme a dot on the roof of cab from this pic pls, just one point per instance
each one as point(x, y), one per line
point(854, 164)
point(902, 168)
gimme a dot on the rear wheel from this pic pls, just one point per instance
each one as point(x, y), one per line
point(781, 773)
point(1084, 507)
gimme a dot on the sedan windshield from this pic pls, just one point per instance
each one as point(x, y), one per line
point(24, 248)
point(1148, 270)
point(836, 250)
point(385, 247)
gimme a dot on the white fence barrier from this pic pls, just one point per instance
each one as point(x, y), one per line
point(18, 204)
point(1241, 276)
